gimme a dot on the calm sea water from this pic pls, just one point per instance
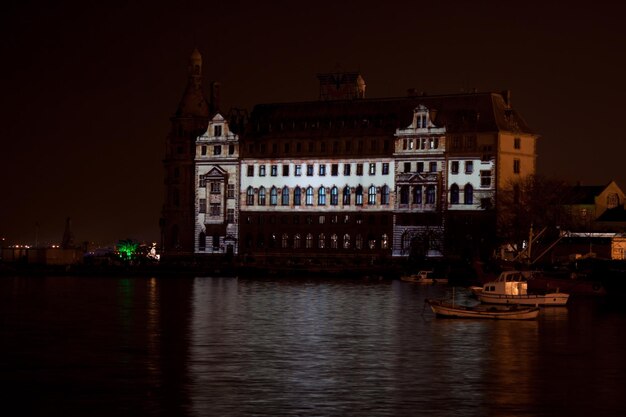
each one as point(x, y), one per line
point(81, 346)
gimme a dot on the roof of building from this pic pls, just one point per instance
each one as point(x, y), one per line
point(476, 112)
point(583, 194)
point(616, 214)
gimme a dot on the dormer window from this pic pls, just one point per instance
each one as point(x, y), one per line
point(217, 130)
point(612, 201)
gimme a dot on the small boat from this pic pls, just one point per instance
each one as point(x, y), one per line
point(482, 311)
point(511, 287)
point(424, 277)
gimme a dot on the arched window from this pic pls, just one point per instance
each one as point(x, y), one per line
point(333, 241)
point(321, 196)
point(273, 196)
point(250, 196)
point(285, 241)
point(371, 195)
point(297, 196)
point(285, 196)
point(468, 194)
point(346, 196)
point(417, 194)
point(404, 194)
point(359, 196)
point(454, 194)
point(309, 241)
point(202, 241)
point(384, 242)
point(309, 196)
point(261, 196)
point(321, 241)
point(358, 242)
point(296, 241)
point(334, 196)
point(384, 195)
point(346, 241)
point(430, 194)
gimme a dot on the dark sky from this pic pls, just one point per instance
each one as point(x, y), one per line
point(87, 89)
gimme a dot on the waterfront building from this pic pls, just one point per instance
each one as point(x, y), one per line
point(343, 180)
point(217, 189)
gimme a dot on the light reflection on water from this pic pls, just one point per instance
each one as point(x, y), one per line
point(227, 346)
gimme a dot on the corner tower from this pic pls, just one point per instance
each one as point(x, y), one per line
point(190, 120)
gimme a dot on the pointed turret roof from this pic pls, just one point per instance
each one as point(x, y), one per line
point(193, 103)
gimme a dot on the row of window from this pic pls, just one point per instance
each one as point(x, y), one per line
point(322, 169)
point(308, 241)
point(307, 195)
point(217, 150)
point(358, 219)
point(320, 146)
point(215, 187)
point(420, 143)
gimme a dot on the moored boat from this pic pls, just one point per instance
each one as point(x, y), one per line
point(482, 311)
point(424, 277)
point(511, 287)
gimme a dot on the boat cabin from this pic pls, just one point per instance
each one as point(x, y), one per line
point(508, 283)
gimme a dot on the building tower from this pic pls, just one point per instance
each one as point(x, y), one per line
point(190, 121)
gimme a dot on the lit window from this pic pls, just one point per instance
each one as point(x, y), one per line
point(334, 196)
point(285, 196)
point(298, 170)
point(371, 195)
point(358, 242)
point(333, 241)
point(372, 169)
point(297, 196)
point(346, 241)
point(321, 196)
point(322, 169)
point(261, 170)
point(359, 196)
point(309, 196)
point(274, 170)
point(346, 196)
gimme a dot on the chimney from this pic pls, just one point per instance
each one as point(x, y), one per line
point(506, 95)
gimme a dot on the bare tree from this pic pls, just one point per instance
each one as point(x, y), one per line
point(532, 201)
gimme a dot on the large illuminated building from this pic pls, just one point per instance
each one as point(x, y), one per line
point(342, 180)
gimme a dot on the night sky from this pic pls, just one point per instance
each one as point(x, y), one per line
point(87, 90)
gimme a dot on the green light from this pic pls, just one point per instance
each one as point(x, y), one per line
point(127, 249)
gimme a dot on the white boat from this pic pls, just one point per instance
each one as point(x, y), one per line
point(424, 277)
point(482, 311)
point(511, 287)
